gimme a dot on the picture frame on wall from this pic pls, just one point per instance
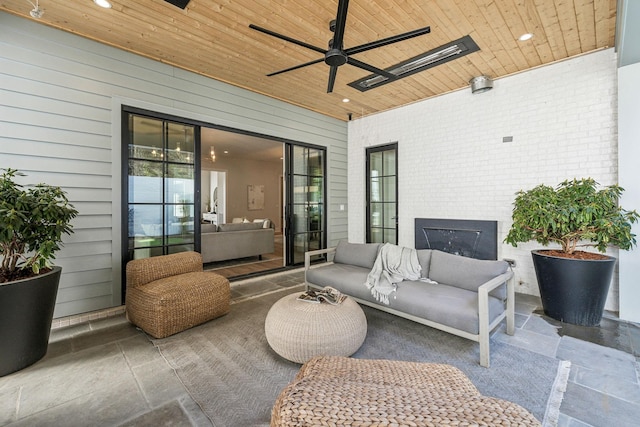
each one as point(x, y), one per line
point(255, 197)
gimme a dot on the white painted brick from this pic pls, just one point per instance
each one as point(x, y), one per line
point(453, 163)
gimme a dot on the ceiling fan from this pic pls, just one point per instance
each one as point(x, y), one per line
point(336, 55)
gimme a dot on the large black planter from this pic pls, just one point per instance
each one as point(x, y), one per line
point(26, 311)
point(573, 290)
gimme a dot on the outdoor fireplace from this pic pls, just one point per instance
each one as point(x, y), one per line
point(470, 238)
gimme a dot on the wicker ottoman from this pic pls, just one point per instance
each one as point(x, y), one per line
point(340, 391)
point(299, 330)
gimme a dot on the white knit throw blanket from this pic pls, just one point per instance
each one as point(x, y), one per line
point(393, 265)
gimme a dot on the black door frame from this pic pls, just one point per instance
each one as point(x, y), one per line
point(289, 234)
point(368, 152)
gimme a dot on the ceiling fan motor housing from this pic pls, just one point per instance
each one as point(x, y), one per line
point(335, 57)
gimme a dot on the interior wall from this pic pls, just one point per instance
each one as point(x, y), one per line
point(244, 172)
point(454, 164)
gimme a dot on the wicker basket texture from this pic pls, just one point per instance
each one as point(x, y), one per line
point(170, 293)
point(340, 391)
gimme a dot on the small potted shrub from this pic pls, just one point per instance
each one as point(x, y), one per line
point(573, 283)
point(32, 222)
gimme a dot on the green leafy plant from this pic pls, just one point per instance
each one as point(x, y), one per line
point(574, 214)
point(32, 221)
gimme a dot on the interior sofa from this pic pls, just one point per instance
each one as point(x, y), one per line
point(239, 240)
point(469, 298)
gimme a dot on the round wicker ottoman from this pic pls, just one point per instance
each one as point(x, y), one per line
point(299, 330)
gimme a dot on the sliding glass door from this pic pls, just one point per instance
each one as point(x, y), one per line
point(305, 211)
point(160, 186)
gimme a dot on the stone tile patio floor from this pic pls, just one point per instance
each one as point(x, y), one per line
point(104, 372)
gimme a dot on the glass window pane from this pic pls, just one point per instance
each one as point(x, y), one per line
point(180, 143)
point(300, 163)
point(315, 162)
point(145, 182)
point(377, 235)
point(180, 184)
point(376, 214)
point(315, 189)
point(300, 246)
point(179, 222)
point(146, 138)
point(390, 215)
point(389, 158)
point(390, 235)
point(389, 188)
point(145, 220)
point(300, 189)
point(375, 163)
point(374, 189)
point(300, 218)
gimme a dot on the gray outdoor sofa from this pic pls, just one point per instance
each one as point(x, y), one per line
point(470, 299)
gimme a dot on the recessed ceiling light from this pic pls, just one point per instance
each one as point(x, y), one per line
point(346, 100)
point(226, 151)
point(525, 37)
point(103, 3)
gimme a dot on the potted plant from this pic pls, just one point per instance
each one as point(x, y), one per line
point(32, 222)
point(573, 283)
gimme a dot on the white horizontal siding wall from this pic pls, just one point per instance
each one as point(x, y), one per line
point(453, 163)
point(60, 100)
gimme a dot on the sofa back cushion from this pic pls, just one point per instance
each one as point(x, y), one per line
point(240, 226)
point(464, 272)
point(208, 228)
point(358, 254)
point(424, 258)
point(139, 272)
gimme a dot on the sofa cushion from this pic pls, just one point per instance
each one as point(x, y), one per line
point(447, 305)
point(464, 272)
point(208, 228)
point(358, 254)
point(348, 279)
point(239, 226)
point(424, 258)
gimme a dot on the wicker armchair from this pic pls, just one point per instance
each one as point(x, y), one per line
point(170, 293)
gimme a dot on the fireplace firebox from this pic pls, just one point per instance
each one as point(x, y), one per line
point(470, 238)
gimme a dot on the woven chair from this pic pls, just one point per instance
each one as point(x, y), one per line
point(170, 293)
point(340, 391)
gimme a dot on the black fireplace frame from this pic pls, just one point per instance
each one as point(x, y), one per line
point(484, 247)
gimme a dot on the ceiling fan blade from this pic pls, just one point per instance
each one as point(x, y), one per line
point(288, 39)
point(296, 67)
point(341, 23)
point(332, 78)
point(371, 68)
point(388, 40)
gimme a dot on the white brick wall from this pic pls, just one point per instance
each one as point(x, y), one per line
point(453, 163)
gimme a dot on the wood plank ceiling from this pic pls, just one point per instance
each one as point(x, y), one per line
point(213, 38)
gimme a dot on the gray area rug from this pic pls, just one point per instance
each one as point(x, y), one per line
point(231, 372)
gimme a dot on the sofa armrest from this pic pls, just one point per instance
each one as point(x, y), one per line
point(483, 312)
point(496, 282)
point(309, 254)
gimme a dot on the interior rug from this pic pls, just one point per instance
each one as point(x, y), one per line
point(231, 372)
